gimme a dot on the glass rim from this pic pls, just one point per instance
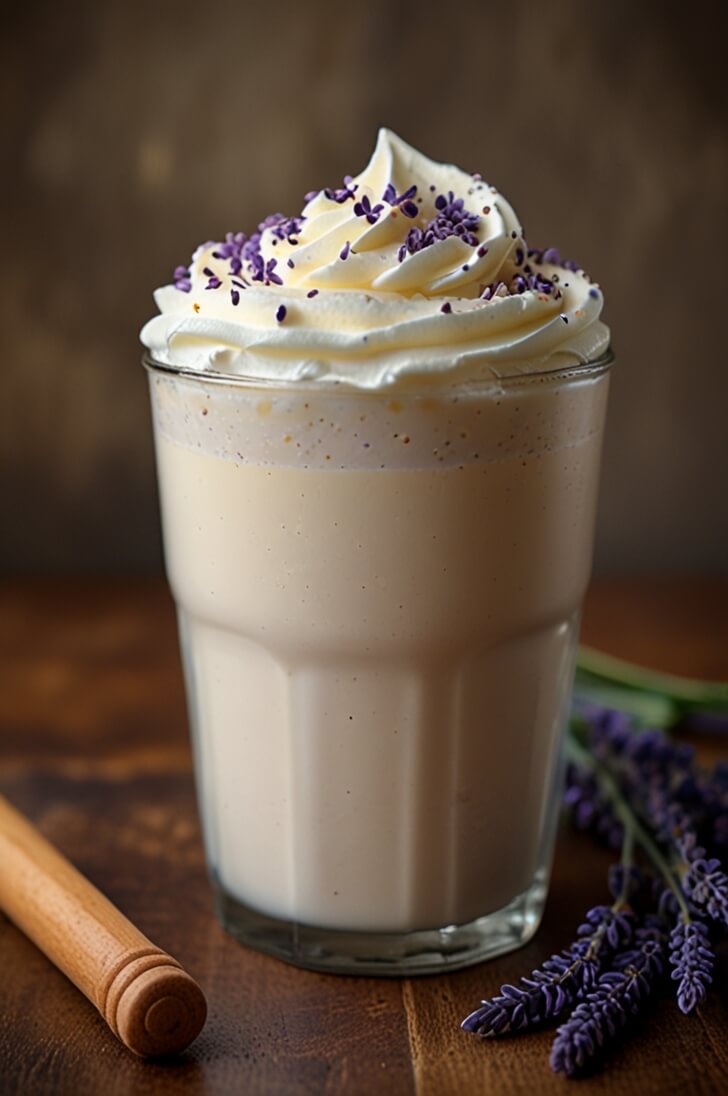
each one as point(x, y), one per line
point(416, 385)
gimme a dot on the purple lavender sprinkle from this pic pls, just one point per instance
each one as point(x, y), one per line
point(482, 251)
point(290, 263)
point(551, 255)
point(265, 272)
point(344, 253)
point(451, 219)
point(235, 296)
point(312, 292)
point(281, 313)
point(403, 200)
point(343, 193)
point(213, 283)
point(594, 293)
point(364, 208)
point(446, 308)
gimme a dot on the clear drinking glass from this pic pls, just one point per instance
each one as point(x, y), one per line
point(378, 598)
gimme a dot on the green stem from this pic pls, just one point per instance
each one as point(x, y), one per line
point(609, 787)
point(688, 694)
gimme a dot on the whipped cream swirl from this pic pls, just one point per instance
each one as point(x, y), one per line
point(412, 270)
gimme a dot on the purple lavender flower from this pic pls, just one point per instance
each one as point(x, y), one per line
point(614, 923)
point(535, 282)
point(550, 989)
point(715, 798)
point(691, 959)
point(451, 219)
point(213, 282)
point(660, 781)
point(342, 194)
point(618, 993)
point(625, 883)
point(231, 248)
point(364, 208)
point(403, 200)
point(182, 278)
point(589, 811)
point(552, 255)
point(265, 272)
point(707, 886)
point(283, 228)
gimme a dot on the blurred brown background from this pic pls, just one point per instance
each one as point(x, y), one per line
point(133, 131)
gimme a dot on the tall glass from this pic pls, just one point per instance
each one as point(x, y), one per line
point(378, 600)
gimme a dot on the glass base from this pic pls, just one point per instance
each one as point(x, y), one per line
point(397, 954)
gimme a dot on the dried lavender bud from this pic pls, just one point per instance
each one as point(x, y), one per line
point(403, 200)
point(707, 886)
point(660, 781)
point(554, 986)
point(182, 278)
point(618, 994)
point(364, 208)
point(342, 194)
point(451, 219)
point(625, 882)
point(715, 798)
point(617, 925)
point(589, 810)
point(692, 959)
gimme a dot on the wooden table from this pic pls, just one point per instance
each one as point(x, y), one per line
point(93, 746)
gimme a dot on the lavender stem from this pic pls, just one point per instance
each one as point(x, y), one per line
point(627, 817)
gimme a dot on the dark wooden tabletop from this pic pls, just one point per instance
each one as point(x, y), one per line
point(93, 747)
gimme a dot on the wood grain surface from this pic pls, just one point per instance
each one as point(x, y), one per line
point(93, 747)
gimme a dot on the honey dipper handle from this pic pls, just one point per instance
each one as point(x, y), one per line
point(147, 999)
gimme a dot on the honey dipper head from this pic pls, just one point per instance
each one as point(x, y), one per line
point(161, 1012)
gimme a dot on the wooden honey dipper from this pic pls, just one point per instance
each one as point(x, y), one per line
point(150, 1003)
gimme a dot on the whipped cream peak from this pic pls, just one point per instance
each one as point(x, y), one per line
point(411, 269)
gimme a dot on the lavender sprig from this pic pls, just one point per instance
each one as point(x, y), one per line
point(662, 785)
point(619, 993)
point(691, 959)
point(590, 812)
point(707, 886)
point(565, 977)
point(661, 778)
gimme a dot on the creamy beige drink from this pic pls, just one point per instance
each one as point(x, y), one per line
point(378, 541)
